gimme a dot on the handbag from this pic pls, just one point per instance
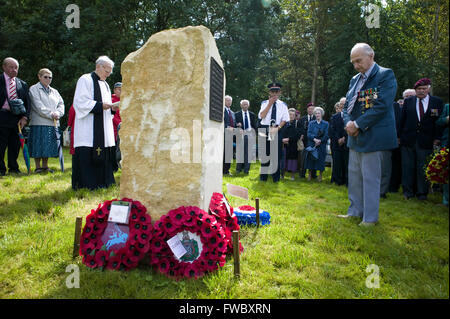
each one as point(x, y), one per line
point(17, 107)
point(300, 145)
point(313, 151)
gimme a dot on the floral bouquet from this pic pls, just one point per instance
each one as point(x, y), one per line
point(246, 215)
point(437, 169)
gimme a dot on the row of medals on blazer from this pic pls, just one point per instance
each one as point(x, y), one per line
point(368, 97)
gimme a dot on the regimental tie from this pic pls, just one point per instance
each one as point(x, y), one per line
point(12, 93)
point(230, 116)
point(245, 121)
point(358, 87)
point(421, 110)
point(274, 112)
point(12, 89)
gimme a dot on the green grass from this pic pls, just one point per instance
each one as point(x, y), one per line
point(306, 252)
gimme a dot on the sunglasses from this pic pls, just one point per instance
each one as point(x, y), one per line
point(47, 77)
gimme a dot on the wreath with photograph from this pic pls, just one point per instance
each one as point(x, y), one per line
point(115, 246)
point(200, 237)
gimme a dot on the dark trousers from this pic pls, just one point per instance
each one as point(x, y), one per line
point(9, 139)
point(242, 160)
point(276, 175)
point(396, 174)
point(339, 174)
point(414, 180)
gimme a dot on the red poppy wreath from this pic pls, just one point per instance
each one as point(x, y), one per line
point(202, 237)
point(224, 214)
point(115, 246)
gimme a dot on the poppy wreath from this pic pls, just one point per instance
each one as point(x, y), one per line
point(133, 246)
point(437, 169)
point(203, 237)
point(227, 219)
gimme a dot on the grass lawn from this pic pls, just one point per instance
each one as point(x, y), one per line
point(306, 252)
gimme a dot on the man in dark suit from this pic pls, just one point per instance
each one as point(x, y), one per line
point(396, 175)
point(303, 125)
point(339, 149)
point(370, 125)
point(229, 124)
point(246, 121)
point(11, 88)
point(418, 134)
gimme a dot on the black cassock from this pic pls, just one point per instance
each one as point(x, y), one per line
point(92, 167)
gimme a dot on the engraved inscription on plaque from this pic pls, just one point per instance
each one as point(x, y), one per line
point(216, 92)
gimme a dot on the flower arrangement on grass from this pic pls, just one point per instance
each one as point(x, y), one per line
point(113, 246)
point(200, 234)
point(246, 215)
point(437, 169)
point(226, 217)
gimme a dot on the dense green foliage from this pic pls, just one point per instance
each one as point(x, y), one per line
point(306, 252)
point(304, 44)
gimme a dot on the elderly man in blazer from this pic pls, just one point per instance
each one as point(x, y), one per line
point(229, 124)
point(246, 121)
point(370, 124)
point(11, 88)
point(418, 134)
point(339, 149)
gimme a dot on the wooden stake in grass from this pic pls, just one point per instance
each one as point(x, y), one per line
point(257, 211)
point(76, 243)
point(237, 265)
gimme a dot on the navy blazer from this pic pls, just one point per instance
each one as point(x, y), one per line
point(226, 118)
point(377, 124)
point(424, 132)
point(398, 116)
point(337, 131)
point(253, 119)
point(7, 119)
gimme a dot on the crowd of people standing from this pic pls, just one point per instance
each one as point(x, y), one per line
point(376, 144)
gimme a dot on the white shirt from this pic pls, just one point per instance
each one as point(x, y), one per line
point(281, 115)
point(249, 127)
point(425, 102)
point(83, 103)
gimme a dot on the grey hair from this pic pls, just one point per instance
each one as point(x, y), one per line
point(5, 61)
point(228, 97)
point(408, 91)
point(102, 60)
point(364, 46)
point(318, 108)
point(243, 101)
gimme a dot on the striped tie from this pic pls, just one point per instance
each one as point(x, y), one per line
point(12, 89)
point(358, 87)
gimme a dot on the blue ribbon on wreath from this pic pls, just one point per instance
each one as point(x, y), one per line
point(249, 218)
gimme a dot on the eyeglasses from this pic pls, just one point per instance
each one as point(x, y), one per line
point(47, 77)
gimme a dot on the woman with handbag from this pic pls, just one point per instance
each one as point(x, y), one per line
point(317, 143)
point(47, 107)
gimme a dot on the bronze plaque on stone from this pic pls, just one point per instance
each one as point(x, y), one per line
point(216, 92)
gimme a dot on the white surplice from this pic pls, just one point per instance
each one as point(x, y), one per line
point(83, 103)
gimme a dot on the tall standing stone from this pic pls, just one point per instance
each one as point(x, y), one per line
point(172, 128)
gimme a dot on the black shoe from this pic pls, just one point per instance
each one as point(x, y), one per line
point(2, 173)
point(422, 197)
point(14, 171)
point(246, 173)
